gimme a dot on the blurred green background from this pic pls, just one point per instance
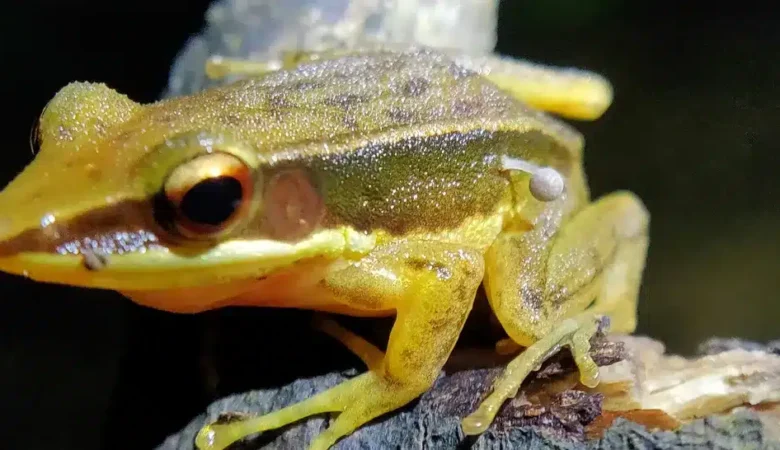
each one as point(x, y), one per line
point(693, 130)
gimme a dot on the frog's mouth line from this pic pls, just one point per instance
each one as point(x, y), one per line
point(156, 269)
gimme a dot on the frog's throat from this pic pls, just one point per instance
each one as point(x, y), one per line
point(162, 268)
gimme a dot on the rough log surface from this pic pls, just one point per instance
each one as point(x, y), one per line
point(539, 418)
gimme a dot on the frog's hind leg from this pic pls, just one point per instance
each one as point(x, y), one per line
point(219, 67)
point(432, 288)
point(625, 241)
point(572, 93)
point(543, 303)
point(367, 352)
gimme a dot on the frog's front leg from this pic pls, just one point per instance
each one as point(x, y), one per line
point(541, 285)
point(432, 287)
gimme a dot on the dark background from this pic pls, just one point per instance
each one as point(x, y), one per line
point(693, 130)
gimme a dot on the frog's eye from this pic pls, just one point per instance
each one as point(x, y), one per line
point(209, 194)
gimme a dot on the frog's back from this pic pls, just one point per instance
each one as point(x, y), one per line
point(358, 96)
point(404, 141)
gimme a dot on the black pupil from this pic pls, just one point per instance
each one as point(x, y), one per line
point(212, 201)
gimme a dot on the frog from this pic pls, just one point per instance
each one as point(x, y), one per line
point(368, 183)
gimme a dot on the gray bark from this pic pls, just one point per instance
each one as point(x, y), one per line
point(433, 422)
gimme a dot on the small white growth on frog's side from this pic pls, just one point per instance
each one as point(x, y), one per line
point(546, 183)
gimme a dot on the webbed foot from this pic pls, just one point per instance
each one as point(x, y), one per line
point(358, 401)
point(574, 333)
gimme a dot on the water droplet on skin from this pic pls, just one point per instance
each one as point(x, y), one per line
point(49, 228)
point(47, 220)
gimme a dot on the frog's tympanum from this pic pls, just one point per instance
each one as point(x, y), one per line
point(367, 183)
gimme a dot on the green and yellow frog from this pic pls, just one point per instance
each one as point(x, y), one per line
point(369, 183)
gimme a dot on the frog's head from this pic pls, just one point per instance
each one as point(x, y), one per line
point(123, 196)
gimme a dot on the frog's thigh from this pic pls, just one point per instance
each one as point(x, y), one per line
point(572, 93)
point(432, 287)
point(603, 250)
point(599, 254)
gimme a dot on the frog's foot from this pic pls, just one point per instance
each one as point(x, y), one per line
point(357, 401)
point(574, 333)
point(589, 268)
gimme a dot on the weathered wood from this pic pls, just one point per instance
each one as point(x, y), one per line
point(552, 411)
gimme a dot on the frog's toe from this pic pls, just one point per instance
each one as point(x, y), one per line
point(579, 346)
point(220, 434)
point(349, 421)
point(215, 436)
point(574, 333)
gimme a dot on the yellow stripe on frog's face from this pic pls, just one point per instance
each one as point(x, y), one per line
point(161, 268)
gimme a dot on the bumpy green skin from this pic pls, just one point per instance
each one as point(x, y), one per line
point(416, 185)
point(396, 140)
point(405, 143)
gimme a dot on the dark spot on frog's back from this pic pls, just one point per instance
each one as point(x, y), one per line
point(467, 108)
point(439, 323)
point(425, 264)
point(305, 85)
point(350, 122)
point(459, 72)
point(399, 115)
point(278, 100)
point(346, 101)
point(231, 119)
point(532, 298)
point(415, 87)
